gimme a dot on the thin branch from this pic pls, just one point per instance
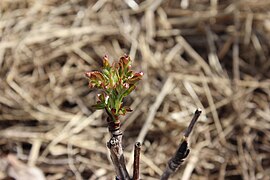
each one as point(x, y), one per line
point(182, 151)
point(136, 164)
point(175, 162)
point(193, 121)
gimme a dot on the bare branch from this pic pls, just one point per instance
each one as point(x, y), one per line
point(136, 164)
point(193, 121)
point(182, 151)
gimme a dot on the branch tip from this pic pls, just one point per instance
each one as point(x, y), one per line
point(136, 163)
point(138, 145)
point(193, 122)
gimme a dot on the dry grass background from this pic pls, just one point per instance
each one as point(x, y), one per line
point(208, 54)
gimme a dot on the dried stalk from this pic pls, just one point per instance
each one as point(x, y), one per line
point(182, 151)
point(193, 122)
point(136, 164)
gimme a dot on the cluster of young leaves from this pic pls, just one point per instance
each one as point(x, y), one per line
point(116, 82)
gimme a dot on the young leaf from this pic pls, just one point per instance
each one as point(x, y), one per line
point(99, 106)
point(136, 77)
point(106, 64)
point(96, 79)
point(129, 90)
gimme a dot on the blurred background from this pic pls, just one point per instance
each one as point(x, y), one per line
point(206, 54)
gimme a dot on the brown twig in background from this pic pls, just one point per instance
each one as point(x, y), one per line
point(136, 164)
point(182, 151)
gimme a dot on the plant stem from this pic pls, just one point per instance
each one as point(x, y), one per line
point(136, 164)
point(182, 151)
point(116, 150)
point(175, 162)
point(193, 122)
